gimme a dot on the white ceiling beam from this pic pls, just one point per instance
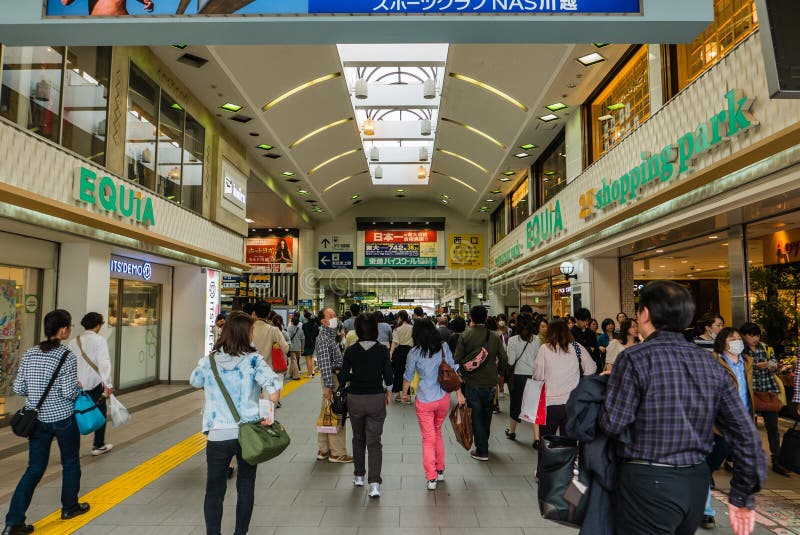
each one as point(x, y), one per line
point(398, 131)
point(396, 97)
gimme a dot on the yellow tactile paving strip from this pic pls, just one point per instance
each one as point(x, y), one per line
point(119, 489)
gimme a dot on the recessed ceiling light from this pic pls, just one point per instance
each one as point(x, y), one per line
point(724, 244)
point(721, 265)
point(287, 173)
point(231, 107)
point(508, 98)
point(684, 261)
point(662, 266)
point(333, 185)
point(549, 173)
point(617, 106)
point(509, 173)
point(713, 237)
point(445, 196)
point(315, 81)
point(590, 59)
point(264, 146)
point(302, 192)
point(604, 118)
point(400, 190)
point(601, 45)
point(248, 220)
point(504, 179)
point(489, 200)
point(444, 201)
point(521, 155)
point(558, 106)
point(526, 146)
point(548, 118)
point(659, 250)
point(496, 191)
point(176, 106)
point(354, 197)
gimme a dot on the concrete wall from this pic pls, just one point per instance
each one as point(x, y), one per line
point(188, 322)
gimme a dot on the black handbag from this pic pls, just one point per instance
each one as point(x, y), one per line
point(789, 456)
point(23, 423)
point(563, 486)
point(339, 403)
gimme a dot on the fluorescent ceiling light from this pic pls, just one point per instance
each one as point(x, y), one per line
point(508, 98)
point(504, 179)
point(287, 173)
point(331, 160)
point(231, 107)
point(604, 118)
point(264, 146)
point(548, 118)
point(558, 106)
point(550, 173)
point(400, 190)
point(176, 106)
point(496, 191)
point(475, 131)
point(302, 192)
point(459, 181)
point(526, 146)
point(319, 131)
point(354, 197)
point(521, 155)
point(510, 173)
point(489, 200)
point(248, 220)
point(444, 201)
point(617, 106)
point(591, 59)
point(463, 158)
point(315, 81)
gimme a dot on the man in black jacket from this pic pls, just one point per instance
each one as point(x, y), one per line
point(588, 338)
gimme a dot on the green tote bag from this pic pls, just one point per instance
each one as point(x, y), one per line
point(259, 443)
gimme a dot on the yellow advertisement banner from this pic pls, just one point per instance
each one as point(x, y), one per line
point(465, 251)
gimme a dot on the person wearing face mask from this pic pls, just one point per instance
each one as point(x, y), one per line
point(729, 352)
point(708, 327)
point(94, 371)
point(329, 359)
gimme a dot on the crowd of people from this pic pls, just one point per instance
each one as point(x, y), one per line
point(683, 412)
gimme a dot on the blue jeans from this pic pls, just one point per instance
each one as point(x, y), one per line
point(715, 459)
point(218, 458)
point(709, 511)
point(480, 400)
point(69, 440)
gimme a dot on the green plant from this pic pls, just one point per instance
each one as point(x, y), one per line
point(775, 291)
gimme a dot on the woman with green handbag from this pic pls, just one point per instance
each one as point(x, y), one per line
point(244, 374)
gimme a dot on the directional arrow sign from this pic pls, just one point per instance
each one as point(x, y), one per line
point(336, 243)
point(324, 260)
point(326, 243)
point(336, 260)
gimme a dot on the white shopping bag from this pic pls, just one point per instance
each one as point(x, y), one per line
point(117, 412)
point(534, 408)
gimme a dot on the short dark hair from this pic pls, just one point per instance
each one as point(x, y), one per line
point(419, 312)
point(491, 323)
point(670, 305)
point(526, 309)
point(426, 337)
point(235, 337)
point(355, 309)
point(248, 308)
point(458, 325)
point(478, 314)
point(606, 323)
point(92, 320)
point(295, 320)
point(367, 327)
point(378, 316)
point(750, 328)
point(526, 327)
point(722, 339)
point(583, 314)
point(262, 310)
point(307, 314)
point(54, 321)
point(708, 319)
point(558, 335)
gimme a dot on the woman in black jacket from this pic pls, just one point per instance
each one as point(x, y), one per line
point(368, 369)
point(310, 331)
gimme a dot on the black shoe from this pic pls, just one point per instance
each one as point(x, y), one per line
point(18, 530)
point(278, 406)
point(778, 469)
point(535, 445)
point(708, 522)
point(230, 472)
point(510, 435)
point(78, 510)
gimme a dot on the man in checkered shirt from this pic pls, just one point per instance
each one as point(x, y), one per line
point(332, 447)
point(56, 420)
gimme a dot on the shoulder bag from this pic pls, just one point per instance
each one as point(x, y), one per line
point(23, 423)
point(279, 364)
point(448, 378)
point(478, 361)
point(563, 486)
point(259, 443)
point(580, 364)
point(87, 414)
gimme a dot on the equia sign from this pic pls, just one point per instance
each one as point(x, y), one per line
point(675, 159)
point(114, 196)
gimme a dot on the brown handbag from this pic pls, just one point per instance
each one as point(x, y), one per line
point(449, 380)
point(767, 402)
point(461, 420)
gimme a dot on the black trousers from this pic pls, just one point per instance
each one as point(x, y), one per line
point(96, 394)
point(654, 500)
point(218, 458)
point(773, 434)
point(556, 420)
point(517, 385)
point(399, 358)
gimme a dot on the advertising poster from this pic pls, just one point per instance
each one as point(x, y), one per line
point(212, 306)
point(8, 309)
point(271, 255)
point(465, 251)
point(405, 248)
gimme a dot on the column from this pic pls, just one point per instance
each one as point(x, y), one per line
point(737, 260)
point(83, 279)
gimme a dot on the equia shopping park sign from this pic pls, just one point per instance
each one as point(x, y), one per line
point(114, 196)
point(673, 160)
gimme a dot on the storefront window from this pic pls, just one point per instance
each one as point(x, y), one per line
point(499, 230)
point(164, 146)
point(31, 92)
point(550, 171)
point(520, 209)
point(562, 298)
point(621, 106)
point(537, 295)
point(86, 101)
point(733, 21)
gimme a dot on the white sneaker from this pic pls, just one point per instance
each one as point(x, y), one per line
point(100, 451)
point(432, 484)
point(358, 481)
point(374, 490)
point(440, 475)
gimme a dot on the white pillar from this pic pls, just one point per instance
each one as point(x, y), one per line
point(83, 279)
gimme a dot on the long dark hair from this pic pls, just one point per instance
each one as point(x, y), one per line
point(558, 335)
point(624, 327)
point(403, 316)
point(53, 322)
point(426, 337)
point(235, 337)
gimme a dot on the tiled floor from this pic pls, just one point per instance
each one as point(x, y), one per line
point(295, 494)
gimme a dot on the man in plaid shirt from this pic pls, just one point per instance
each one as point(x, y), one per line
point(329, 359)
point(671, 394)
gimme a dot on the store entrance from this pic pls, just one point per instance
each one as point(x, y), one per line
point(134, 318)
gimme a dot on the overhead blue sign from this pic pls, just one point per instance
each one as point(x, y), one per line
point(336, 260)
point(128, 267)
point(145, 8)
point(305, 302)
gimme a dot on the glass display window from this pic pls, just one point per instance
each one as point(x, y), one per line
point(550, 171)
point(499, 229)
point(520, 209)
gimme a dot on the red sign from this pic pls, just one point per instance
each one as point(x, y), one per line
point(403, 236)
point(273, 253)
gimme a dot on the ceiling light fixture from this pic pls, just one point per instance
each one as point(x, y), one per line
point(287, 173)
point(331, 160)
point(248, 220)
point(319, 131)
point(264, 146)
point(504, 179)
point(510, 173)
point(548, 118)
point(526, 146)
point(429, 89)
point(344, 179)
point(459, 181)
point(369, 127)
point(422, 173)
point(302, 192)
point(508, 98)
point(617, 106)
point(601, 45)
point(445, 196)
point(361, 89)
point(591, 59)
point(233, 108)
point(463, 158)
point(558, 106)
point(444, 201)
point(177, 107)
point(604, 118)
point(378, 173)
point(400, 190)
point(374, 154)
point(423, 154)
point(315, 81)
point(489, 200)
point(521, 155)
point(354, 197)
point(475, 131)
point(496, 191)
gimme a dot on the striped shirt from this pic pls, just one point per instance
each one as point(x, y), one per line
point(34, 374)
